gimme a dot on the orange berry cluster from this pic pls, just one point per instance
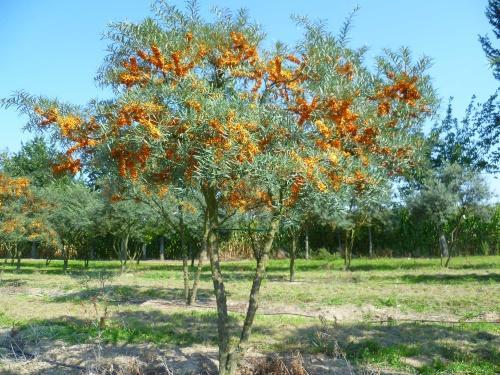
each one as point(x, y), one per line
point(403, 89)
point(143, 113)
point(240, 52)
point(133, 74)
point(13, 187)
point(73, 128)
point(129, 161)
point(243, 197)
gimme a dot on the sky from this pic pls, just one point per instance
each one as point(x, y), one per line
point(54, 47)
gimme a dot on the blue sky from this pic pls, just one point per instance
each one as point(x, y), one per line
point(54, 47)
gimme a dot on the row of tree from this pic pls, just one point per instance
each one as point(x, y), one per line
point(64, 217)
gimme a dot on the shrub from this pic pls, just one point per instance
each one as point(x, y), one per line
point(485, 248)
point(323, 254)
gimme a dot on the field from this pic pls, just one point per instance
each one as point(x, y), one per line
point(385, 316)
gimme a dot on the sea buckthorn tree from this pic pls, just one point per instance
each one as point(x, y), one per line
point(23, 217)
point(202, 104)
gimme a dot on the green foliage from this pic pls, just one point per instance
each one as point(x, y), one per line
point(449, 194)
point(323, 254)
point(35, 159)
point(471, 142)
point(492, 53)
point(485, 248)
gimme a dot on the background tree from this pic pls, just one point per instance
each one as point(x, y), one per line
point(128, 222)
point(369, 211)
point(492, 53)
point(472, 142)
point(23, 216)
point(72, 211)
point(446, 199)
point(35, 160)
point(179, 210)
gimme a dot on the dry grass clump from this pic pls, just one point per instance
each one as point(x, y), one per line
point(236, 247)
point(278, 366)
point(132, 366)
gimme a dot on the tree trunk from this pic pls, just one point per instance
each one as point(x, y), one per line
point(115, 249)
point(196, 281)
point(192, 256)
point(345, 250)
point(34, 251)
point(8, 253)
point(218, 283)
point(293, 252)
point(370, 242)
point(13, 255)
point(253, 301)
point(185, 267)
point(349, 242)
point(452, 247)
point(124, 252)
point(144, 251)
point(121, 255)
point(306, 242)
point(448, 258)
point(125, 249)
point(18, 256)
point(64, 253)
point(65, 257)
point(229, 359)
point(443, 244)
point(162, 247)
point(204, 243)
point(340, 248)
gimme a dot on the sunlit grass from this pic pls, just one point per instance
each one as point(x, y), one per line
point(46, 302)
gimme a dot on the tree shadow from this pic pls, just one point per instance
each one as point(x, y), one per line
point(12, 283)
point(179, 328)
point(41, 271)
point(230, 272)
point(412, 264)
point(377, 266)
point(184, 328)
point(133, 295)
point(131, 333)
point(490, 278)
point(434, 345)
point(439, 345)
point(154, 338)
point(280, 266)
point(477, 266)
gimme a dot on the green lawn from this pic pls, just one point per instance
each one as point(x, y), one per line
point(377, 315)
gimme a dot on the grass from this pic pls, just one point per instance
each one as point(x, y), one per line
point(446, 356)
point(47, 303)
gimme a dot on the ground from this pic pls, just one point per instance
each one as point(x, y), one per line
point(385, 316)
